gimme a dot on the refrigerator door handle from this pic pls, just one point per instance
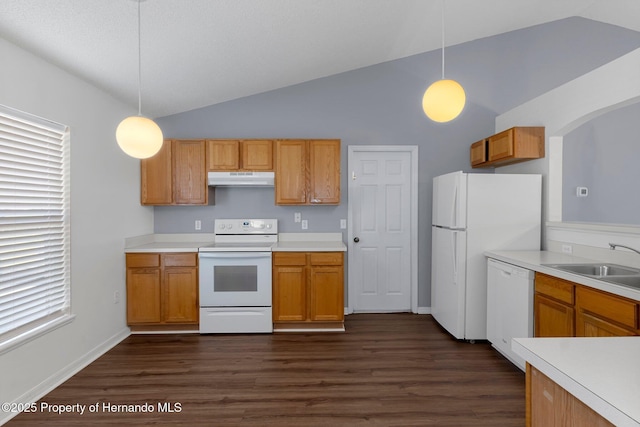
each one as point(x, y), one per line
point(454, 254)
point(454, 208)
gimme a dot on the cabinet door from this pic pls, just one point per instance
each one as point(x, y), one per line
point(478, 152)
point(326, 294)
point(143, 295)
point(180, 295)
point(156, 183)
point(589, 325)
point(501, 145)
point(223, 155)
point(610, 308)
point(189, 171)
point(290, 175)
point(257, 155)
point(324, 172)
point(552, 318)
point(289, 293)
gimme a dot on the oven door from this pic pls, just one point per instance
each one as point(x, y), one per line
point(235, 279)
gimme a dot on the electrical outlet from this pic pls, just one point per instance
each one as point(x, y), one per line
point(198, 224)
point(567, 249)
point(343, 224)
point(305, 224)
point(297, 217)
point(116, 297)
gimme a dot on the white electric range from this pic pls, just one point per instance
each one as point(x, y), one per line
point(235, 277)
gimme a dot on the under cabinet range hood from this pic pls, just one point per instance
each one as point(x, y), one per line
point(240, 179)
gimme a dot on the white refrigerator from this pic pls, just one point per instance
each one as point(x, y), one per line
point(474, 213)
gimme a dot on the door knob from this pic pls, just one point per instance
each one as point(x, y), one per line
point(356, 239)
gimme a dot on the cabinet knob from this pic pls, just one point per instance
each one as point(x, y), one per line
point(356, 239)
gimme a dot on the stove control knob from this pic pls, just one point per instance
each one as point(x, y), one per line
point(268, 226)
point(229, 226)
point(221, 226)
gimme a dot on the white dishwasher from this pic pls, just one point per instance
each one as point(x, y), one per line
point(509, 307)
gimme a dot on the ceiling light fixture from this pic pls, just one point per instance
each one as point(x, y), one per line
point(139, 136)
point(444, 100)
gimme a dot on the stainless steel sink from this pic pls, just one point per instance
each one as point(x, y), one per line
point(598, 270)
point(630, 281)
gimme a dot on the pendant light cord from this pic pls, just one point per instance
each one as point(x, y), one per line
point(139, 66)
point(442, 39)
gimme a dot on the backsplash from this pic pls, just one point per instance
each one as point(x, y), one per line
point(233, 202)
point(592, 241)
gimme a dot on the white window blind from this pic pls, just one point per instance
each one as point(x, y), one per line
point(34, 224)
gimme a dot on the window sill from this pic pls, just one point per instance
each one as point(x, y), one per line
point(36, 332)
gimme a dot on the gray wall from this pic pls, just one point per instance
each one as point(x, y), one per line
point(380, 105)
point(603, 155)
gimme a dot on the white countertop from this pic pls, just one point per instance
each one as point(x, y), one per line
point(604, 373)
point(309, 246)
point(535, 260)
point(190, 242)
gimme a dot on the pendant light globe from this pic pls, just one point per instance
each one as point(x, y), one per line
point(139, 137)
point(444, 100)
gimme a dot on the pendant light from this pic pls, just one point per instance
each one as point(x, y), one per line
point(444, 100)
point(139, 136)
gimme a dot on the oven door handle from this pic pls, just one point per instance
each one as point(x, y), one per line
point(234, 255)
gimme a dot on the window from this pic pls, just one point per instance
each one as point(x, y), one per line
point(34, 226)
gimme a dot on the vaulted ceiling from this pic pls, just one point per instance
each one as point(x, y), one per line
point(201, 52)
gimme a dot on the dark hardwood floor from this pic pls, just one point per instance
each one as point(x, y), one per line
point(385, 370)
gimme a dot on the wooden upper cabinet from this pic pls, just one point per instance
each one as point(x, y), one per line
point(257, 155)
point(514, 145)
point(478, 152)
point(189, 173)
point(223, 155)
point(291, 176)
point(176, 175)
point(324, 172)
point(156, 181)
point(307, 172)
point(237, 155)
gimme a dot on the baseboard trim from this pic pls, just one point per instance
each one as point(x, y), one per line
point(46, 386)
point(421, 310)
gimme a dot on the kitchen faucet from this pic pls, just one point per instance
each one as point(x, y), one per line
point(616, 245)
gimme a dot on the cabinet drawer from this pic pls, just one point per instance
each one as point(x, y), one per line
point(555, 288)
point(289, 258)
point(143, 260)
point(187, 259)
point(611, 307)
point(326, 258)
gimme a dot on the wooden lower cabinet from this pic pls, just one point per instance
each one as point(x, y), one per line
point(550, 405)
point(566, 309)
point(553, 318)
point(308, 290)
point(554, 313)
point(162, 291)
point(599, 314)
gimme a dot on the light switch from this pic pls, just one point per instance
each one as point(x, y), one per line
point(305, 224)
point(297, 217)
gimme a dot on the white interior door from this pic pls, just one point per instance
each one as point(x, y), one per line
point(382, 228)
